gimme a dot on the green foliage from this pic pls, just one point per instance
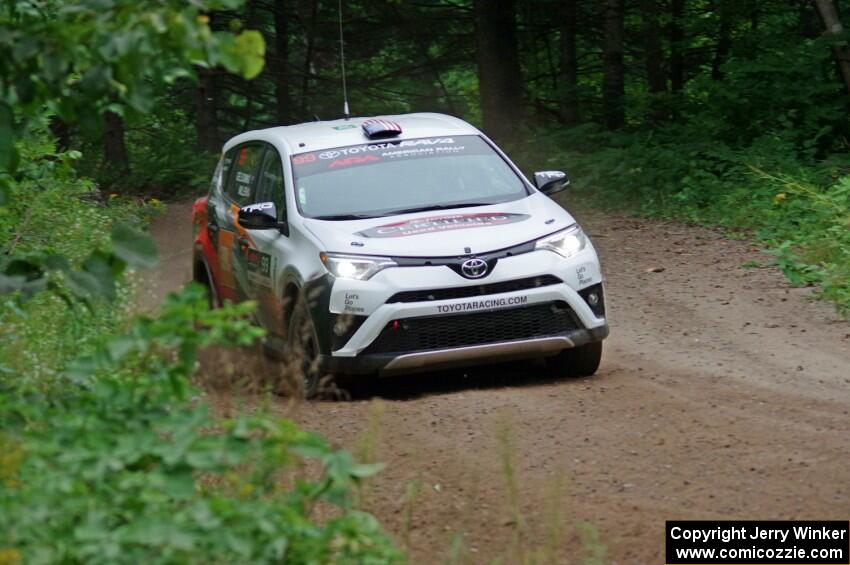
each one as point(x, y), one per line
point(77, 60)
point(50, 230)
point(796, 205)
point(163, 164)
point(46, 247)
point(111, 457)
point(119, 462)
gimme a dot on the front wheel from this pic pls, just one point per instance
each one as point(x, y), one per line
point(581, 361)
point(303, 347)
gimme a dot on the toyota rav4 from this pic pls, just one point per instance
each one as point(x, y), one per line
point(398, 244)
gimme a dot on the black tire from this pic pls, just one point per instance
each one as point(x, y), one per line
point(581, 361)
point(204, 280)
point(303, 345)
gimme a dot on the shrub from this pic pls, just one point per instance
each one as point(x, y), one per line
point(795, 204)
point(119, 461)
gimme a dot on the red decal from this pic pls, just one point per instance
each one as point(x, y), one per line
point(302, 159)
point(357, 160)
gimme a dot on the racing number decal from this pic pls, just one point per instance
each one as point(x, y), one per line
point(304, 159)
point(258, 262)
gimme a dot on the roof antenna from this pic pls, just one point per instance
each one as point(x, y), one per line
point(345, 111)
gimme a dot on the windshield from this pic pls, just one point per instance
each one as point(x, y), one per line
point(395, 177)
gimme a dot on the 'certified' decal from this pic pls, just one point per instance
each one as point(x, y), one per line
point(443, 223)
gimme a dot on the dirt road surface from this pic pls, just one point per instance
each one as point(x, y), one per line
point(723, 393)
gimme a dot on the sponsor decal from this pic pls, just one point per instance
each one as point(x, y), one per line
point(346, 126)
point(434, 224)
point(352, 300)
point(356, 160)
point(550, 175)
point(488, 304)
point(259, 207)
point(371, 147)
point(584, 278)
point(306, 164)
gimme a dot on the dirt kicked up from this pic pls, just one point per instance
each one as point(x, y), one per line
point(723, 393)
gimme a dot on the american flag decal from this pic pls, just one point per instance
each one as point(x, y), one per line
point(379, 129)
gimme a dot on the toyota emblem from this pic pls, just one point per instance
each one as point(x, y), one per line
point(473, 268)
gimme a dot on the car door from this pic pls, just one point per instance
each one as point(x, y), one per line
point(271, 249)
point(240, 169)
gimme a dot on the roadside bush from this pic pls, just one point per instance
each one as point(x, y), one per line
point(796, 204)
point(120, 462)
point(59, 220)
point(54, 218)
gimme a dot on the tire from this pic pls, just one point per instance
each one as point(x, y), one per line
point(581, 361)
point(303, 345)
point(203, 278)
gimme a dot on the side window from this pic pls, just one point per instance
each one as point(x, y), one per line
point(245, 164)
point(220, 174)
point(270, 184)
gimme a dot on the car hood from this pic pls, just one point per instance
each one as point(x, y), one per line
point(442, 233)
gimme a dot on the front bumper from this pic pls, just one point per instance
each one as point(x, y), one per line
point(393, 363)
point(375, 307)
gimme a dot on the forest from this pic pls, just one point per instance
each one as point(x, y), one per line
point(724, 113)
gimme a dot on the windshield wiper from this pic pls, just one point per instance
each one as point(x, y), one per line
point(438, 207)
point(341, 217)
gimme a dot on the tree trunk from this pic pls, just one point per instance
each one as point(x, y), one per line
point(829, 15)
point(656, 75)
point(419, 34)
point(724, 38)
point(568, 80)
point(281, 64)
point(613, 74)
point(206, 110)
point(809, 24)
point(62, 131)
point(755, 15)
point(114, 147)
point(308, 56)
point(677, 60)
point(499, 73)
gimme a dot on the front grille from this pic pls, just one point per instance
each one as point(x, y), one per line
point(428, 333)
point(474, 290)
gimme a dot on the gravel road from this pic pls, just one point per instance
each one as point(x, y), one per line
point(723, 393)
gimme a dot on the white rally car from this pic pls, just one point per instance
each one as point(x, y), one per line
point(398, 244)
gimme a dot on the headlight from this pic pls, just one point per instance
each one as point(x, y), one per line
point(565, 243)
point(354, 267)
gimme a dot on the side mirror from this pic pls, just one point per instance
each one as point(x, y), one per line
point(260, 216)
point(550, 182)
